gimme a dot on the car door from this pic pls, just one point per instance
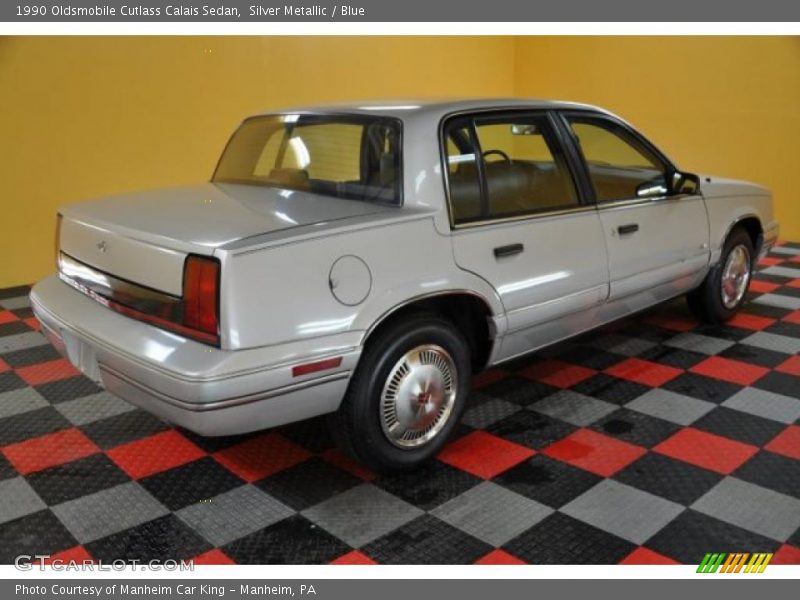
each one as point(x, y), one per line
point(520, 222)
point(657, 240)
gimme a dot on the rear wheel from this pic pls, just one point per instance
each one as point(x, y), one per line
point(406, 395)
point(723, 291)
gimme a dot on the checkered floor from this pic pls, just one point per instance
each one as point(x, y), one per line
point(654, 440)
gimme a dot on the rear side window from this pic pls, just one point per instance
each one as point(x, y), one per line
point(504, 166)
point(619, 165)
point(345, 156)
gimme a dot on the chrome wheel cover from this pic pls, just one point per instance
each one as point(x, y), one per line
point(418, 396)
point(735, 276)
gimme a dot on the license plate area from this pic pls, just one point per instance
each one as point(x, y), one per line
point(81, 355)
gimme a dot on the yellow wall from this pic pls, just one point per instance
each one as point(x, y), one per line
point(86, 117)
point(719, 105)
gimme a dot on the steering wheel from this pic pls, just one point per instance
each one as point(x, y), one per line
point(505, 156)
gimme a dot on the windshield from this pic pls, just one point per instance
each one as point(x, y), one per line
point(346, 156)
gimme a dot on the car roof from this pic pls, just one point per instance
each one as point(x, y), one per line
point(429, 109)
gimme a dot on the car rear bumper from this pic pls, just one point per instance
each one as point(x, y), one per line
point(208, 390)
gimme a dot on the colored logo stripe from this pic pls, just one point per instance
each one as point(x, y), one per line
point(734, 562)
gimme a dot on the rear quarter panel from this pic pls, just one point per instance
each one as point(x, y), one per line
point(281, 292)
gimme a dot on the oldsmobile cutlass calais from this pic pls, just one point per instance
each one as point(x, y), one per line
point(365, 261)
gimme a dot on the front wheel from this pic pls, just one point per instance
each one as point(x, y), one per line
point(406, 395)
point(723, 291)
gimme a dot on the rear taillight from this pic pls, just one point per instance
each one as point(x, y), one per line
point(201, 297)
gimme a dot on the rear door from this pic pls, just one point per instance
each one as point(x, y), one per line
point(657, 241)
point(520, 222)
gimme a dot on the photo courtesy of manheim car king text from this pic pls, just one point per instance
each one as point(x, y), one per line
point(398, 299)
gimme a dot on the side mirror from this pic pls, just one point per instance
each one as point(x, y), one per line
point(684, 183)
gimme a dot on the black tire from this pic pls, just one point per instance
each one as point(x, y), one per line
point(706, 302)
point(357, 426)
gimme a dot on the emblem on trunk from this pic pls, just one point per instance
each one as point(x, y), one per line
point(102, 246)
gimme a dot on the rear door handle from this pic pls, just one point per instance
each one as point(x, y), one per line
point(629, 228)
point(509, 250)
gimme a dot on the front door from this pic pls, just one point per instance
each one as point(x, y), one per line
point(520, 223)
point(657, 241)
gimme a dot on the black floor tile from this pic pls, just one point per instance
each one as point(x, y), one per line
point(780, 383)
point(188, 484)
point(559, 540)
point(430, 486)
point(75, 479)
point(692, 534)
point(772, 471)
point(611, 389)
point(673, 357)
point(295, 540)
point(124, 428)
point(37, 533)
point(546, 480)
point(518, 390)
point(531, 429)
point(426, 541)
point(635, 427)
point(738, 425)
point(669, 478)
point(161, 539)
point(31, 424)
point(754, 355)
point(702, 387)
point(67, 389)
point(308, 483)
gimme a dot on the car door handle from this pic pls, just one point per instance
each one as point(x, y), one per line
point(509, 250)
point(629, 228)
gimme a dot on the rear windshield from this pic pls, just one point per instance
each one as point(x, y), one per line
point(346, 156)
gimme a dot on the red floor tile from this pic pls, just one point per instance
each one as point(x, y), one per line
point(6, 316)
point(77, 554)
point(33, 323)
point(790, 366)
point(335, 457)
point(484, 454)
point(752, 322)
point(594, 452)
point(354, 557)
point(645, 556)
point(762, 287)
point(557, 373)
point(786, 555)
point(707, 450)
point(488, 377)
point(770, 261)
point(675, 323)
point(154, 454)
point(49, 450)
point(793, 317)
point(213, 557)
point(644, 372)
point(4, 366)
point(499, 557)
point(731, 370)
point(794, 283)
point(786, 443)
point(52, 370)
point(261, 456)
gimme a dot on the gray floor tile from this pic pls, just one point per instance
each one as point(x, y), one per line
point(765, 404)
point(622, 510)
point(489, 412)
point(362, 514)
point(15, 302)
point(782, 271)
point(633, 346)
point(671, 406)
point(699, 343)
point(89, 409)
point(492, 513)
point(100, 514)
point(779, 300)
point(573, 407)
point(773, 341)
point(21, 341)
point(752, 507)
point(785, 250)
point(18, 499)
point(234, 514)
point(20, 401)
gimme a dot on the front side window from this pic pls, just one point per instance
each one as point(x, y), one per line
point(619, 165)
point(345, 156)
point(504, 166)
